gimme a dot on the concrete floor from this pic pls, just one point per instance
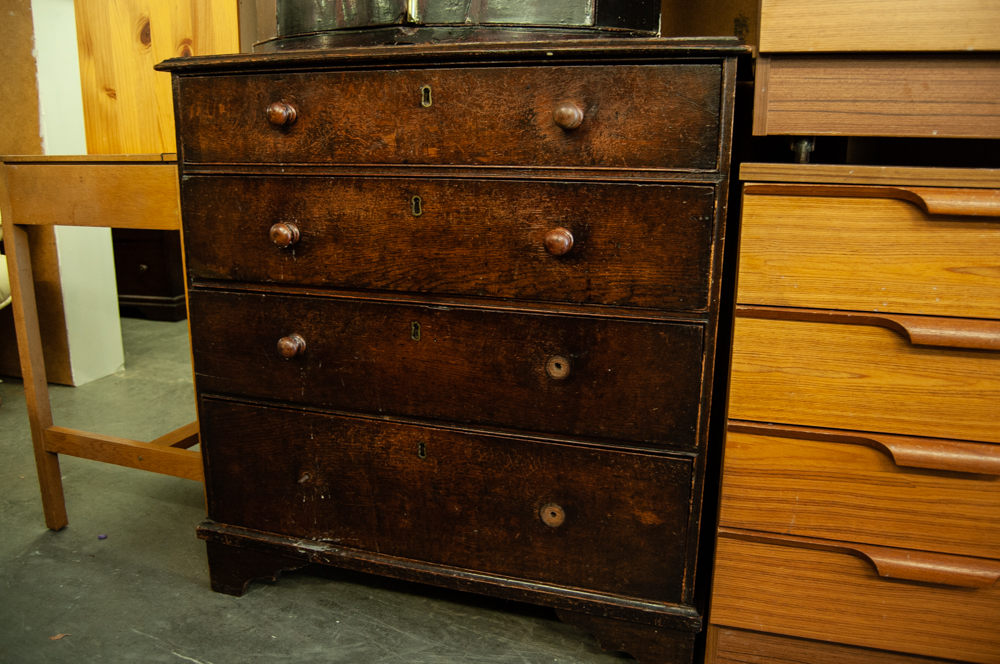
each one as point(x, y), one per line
point(142, 594)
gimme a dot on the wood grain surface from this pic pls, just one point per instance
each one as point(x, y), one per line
point(634, 117)
point(836, 597)
point(634, 245)
point(628, 380)
point(879, 25)
point(880, 95)
point(861, 378)
point(647, 643)
point(154, 457)
point(128, 107)
point(738, 646)
point(915, 176)
point(858, 494)
point(867, 254)
point(463, 500)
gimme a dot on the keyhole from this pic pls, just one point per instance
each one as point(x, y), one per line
point(416, 206)
point(415, 331)
point(421, 450)
point(425, 96)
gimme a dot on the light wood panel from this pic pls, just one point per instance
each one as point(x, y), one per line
point(737, 646)
point(162, 459)
point(19, 127)
point(879, 25)
point(878, 95)
point(125, 195)
point(858, 494)
point(127, 106)
point(836, 597)
point(976, 178)
point(861, 378)
point(867, 254)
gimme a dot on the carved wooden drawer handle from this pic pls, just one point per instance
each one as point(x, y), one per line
point(907, 564)
point(568, 115)
point(558, 241)
point(955, 456)
point(281, 114)
point(291, 346)
point(284, 235)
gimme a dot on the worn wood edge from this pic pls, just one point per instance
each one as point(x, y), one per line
point(155, 458)
point(953, 201)
point(975, 178)
point(670, 616)
point(762, 82)
point(29, 343)
point(184, 437)
point(957, 456)
point(890, 563)
point(936, 331)
point(89, 158)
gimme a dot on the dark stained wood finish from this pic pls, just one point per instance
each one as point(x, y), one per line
point(471, 502)
point(630, 381)
point(635, 116)
point(632, 245)
point(232, 569)
point(648, 644)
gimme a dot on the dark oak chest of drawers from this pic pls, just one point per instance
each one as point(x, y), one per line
point(454, 313)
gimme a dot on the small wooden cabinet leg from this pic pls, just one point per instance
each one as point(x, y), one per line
point(647, 643)
point(232, 568)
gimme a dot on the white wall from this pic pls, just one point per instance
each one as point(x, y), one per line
point(86, 261)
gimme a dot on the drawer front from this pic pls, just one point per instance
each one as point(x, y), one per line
point(607, 378)
point(633, 116)
point(643, 246)
point(867, 254)
point(841, 491)
point(616, 522)
point(861, 378)
point(832, 596)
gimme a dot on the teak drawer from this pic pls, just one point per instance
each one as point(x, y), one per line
point(868, 249)
point(861, 377)
point(835, 594)
point(633, 116)
point(636, 381)
point(863, 488)
point(614, 522)
point(631, 245)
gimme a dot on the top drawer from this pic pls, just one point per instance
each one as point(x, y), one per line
point(633, 116)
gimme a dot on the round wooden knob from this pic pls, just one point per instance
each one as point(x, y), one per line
point(280, 114)
point(284, 235)
point(552, 515)
point(568, 115)
point(558, 241)
point(557, 367)
point(291, 346)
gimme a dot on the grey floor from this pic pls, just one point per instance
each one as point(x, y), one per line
point(142, 595)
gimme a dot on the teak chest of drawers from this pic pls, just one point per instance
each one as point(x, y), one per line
point(453, 317)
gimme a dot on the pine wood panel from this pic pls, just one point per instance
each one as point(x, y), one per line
point(128, 108)
point(914, 176)
point(861, 378)
point(879, 25)
point(852, 492)
point(737, 646)
point(878, 95)
point(867, 254)
point(836, 597)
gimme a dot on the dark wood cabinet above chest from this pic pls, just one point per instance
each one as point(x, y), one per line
point(454, 317)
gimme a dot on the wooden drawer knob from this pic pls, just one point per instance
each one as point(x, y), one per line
point(552, 515)
point(558, 241)
point(557, 367)
point(291, 346)
point(284, 235)
point(568, 115)
point(281, 114)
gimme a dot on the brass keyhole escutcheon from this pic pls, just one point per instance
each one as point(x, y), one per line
point(415, 331)
point(421, 450)
point(425, 96)
point(552, 515)
point(557, 367)
point(417, 206)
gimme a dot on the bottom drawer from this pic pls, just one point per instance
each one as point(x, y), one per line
point(835, 596)
point(599, 520)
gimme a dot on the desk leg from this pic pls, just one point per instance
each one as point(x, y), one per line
point(29, 344)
